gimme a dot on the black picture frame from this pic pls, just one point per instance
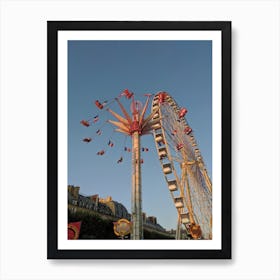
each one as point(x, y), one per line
point(53, 27)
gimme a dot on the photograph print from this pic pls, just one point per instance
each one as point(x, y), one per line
point(138, 137)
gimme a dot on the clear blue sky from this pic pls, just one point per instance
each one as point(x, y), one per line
point(102, 70)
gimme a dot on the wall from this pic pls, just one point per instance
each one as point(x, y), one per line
point(255, 139)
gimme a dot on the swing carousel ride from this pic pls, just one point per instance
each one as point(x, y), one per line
point(180, 159)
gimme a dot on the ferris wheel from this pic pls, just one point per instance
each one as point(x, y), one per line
point(183, 167)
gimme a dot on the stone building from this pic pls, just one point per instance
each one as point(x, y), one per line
point(105, 206)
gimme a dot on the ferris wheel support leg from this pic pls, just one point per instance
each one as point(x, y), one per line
point(136, 211)
point(185, 183)
point(178, 230)
point(207, 180)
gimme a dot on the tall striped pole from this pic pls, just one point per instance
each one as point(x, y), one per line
point(136, 213)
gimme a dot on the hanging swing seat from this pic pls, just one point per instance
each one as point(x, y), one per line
point(98, 105)
point(84, 123)
point(87, 140)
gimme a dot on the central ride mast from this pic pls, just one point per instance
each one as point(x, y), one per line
point(135, 126)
